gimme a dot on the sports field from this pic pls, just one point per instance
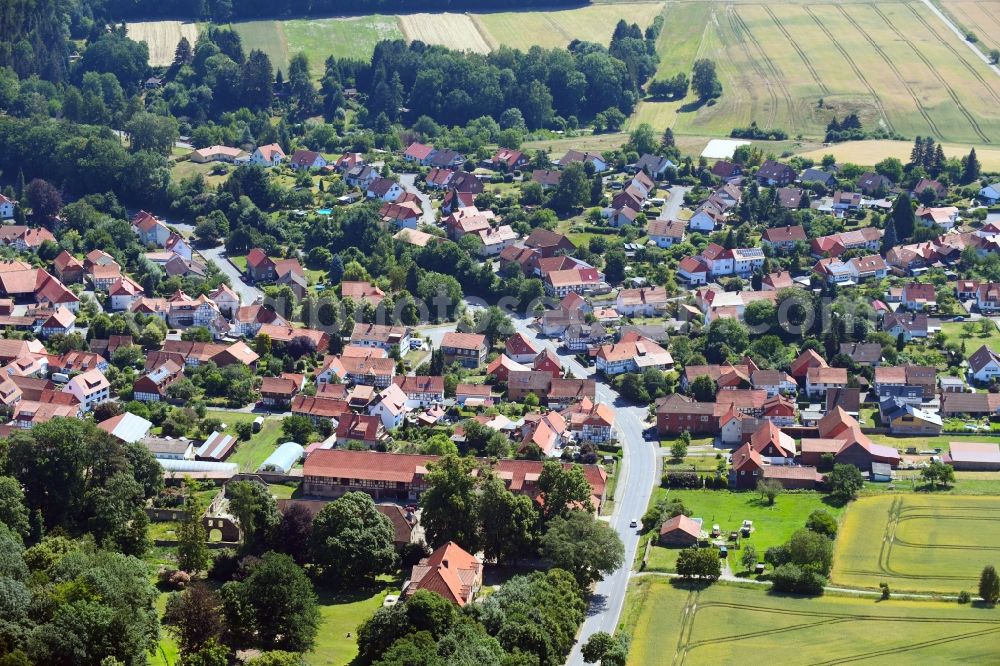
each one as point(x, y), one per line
point(891, 62)
point(920, 543)
point(724, 624)
point(162, 37)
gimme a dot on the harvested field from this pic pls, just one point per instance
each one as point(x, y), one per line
point(456, 31)
point(920, 543)
point(162, 37)
point(871, 152)
point(724, 624)
point(557, 28)
point(266, 36)
point(978, 17)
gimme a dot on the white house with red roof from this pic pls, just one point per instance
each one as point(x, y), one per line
point(520, 349)
point(270, 155)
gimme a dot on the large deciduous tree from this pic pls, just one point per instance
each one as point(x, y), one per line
point(586, 547)
point(352, 542)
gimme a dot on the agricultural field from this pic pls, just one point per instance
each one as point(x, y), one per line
point(724, 624)
point(891, 63)
point(353, 37)
point(977, 17)
point(455, 31)
point(557, 28)
point(920, 543)
point(872, 152)
point(162, 37)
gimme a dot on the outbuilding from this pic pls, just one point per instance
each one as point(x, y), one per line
point(680, 531)
point(283, 458)
point(973, 456)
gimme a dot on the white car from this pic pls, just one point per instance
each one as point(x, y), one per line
point(634, 523)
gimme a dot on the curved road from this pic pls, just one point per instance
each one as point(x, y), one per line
point(636, 480)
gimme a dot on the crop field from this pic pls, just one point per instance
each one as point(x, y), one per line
point(724, 624)
point(976, 16)
point(455, 31)
point(557, 28)
point(892, 63)
point(871, 152)
point(162, 37)
point(920, 543)
point(339, 37)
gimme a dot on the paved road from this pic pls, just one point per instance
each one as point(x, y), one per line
point(408, 181)
point(636, 480)
point(674, 203)
point(217, 255)
point(961, 36)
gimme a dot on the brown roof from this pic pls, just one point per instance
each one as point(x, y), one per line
point(683, 524)
point(463, 340)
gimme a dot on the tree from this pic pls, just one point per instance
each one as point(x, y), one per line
point(192, 552)
point(938, 473)
point(451, 504)
point(13, 511)
point(989, 585)
point(352, 542)
point(699, 563)
point(509, 521)
point(44, 199)
point(845, 482)
point(821, 522)
point(607, 649)
point(573, 189)
point(194, 617)
point(563, 488)
point(255, 511)
point(294, 533)
point(584, 546)
point(183, 53)
point(703, 389)
point(274, 607)
point(902, 217)
point(256, 81)
point(769, 489)
point(297, 428)
point(971, 169)
point(643, 139)
point(678, 450)
point(152, 132)
point(336, 269)
point(995, 56)
point(811, 550)
point(704, 80)
point(749, 557)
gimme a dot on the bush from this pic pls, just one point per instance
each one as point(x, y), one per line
point(688, 480)
point(699, 563)
point(755, 132)
point(821, 522)
point(793, 578)
point(885, 590)
point(224, 565)
point(964, 597)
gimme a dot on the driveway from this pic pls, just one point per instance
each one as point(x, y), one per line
point(408, 181)
point(217, 255)
point(637, 477)
point(675, 202)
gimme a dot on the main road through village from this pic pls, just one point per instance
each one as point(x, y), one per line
point(636, 479)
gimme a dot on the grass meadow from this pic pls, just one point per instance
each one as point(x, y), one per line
point(727, 624)
point(920, 543)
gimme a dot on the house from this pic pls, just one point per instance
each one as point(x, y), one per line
point(677, 413)
point(473, 395)
point(466, 349)
point(945, 217)
point(903, 418)
point(62, 321)
point(779, 410)
point(546, 178)
point(390, 407)
point(319, 408)
point(220, 154)
point(819, 379)
point(506, 159)
point(549, 243)
point(227, 300)
point(260, 267)
point(693, 270)
point(868, 267)
point(502, 366)
point(369, 370)
point(940, 191)
point(68, 268)
point(862, 353)
point(248, 319)
point(872, 183)
point(784, 238)
point(706, 217)
point(642, 302)
point(634, 353)
point(126, 427)
point(592, 422)
point(270, 155)
point(770, 442)
point(834, 245)
point(990, 194)
point(680, 531)
point(384, 189)
point(564, 392)
point(165, 448)
point(727, 170)
point(846, 202)
point(777, 281)
point(307, 159)
point(361, 176)
point(774, 382)
point(495, 241)
point(987, 297)
point(964, 405)
point(559, 283)
point(7, 207)
point(970, 456)
point(418, 152)
point(90, 388)
point(446, 158)
point(381, 336)
point(520, 348)
point(348, 161)
point(919, 296)
point(546, 432)
point(359, 428)
point(653, 165)
point(421, 390)
point(450, 572)
point(124, 292)
point(811, 175)
point(984, 365)
point(665, 233)
point(279, 391)
point(282, 334)
point(361, 292)
point(150, 229)
point(595, 159)
point(772, 173)
point(790, 197)
point(910, 325)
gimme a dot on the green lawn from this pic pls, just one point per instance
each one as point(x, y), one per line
point(773, 525)
point(341, 615)
point(942, 442)
point(239, 261)
point(918, 542)
point(251, 453)
point(954, 331)
point(729, 624)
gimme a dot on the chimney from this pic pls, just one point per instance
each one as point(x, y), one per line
point(444, 563)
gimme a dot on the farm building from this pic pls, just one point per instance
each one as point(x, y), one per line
point(680, 531)
point(283, 458)
point(973, 456)
point(217, 447)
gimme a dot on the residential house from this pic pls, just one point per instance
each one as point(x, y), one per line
point(940, 191)
point(595, 159)
point(381, 336)
point(319, 408)
point(790, 197)
point(706, 217)
point(633, 353)
point(124, 292)
point(812, 175)
point(280, 391)
point(467, 349)
point(693, 270)
point(507, 160)
point(990, 194)
point(665, 233)
point(910, 325)
point(359, 428)
point(404, 215)
point(450, 572)
point(549, 243)
point(984, 365)
point(873, 183)
point(90, 388)
point(260, 267)
point(150, 229)
point(421, 390)
point(418, 152)
point(384, 189)
point(777, 281)
point(680, 532)
point(592, 422)
point(819, 379)
point(361, 176)
point(271, 155)
point(220, 154)
point(903, 418)
point(846, 202)
point(774, 382)
point(446, 158)
point(546, 178)
point(779, 410)
point(834, 245)
point(677, 413)
point(642, 302)
point(653, 165)
point(945, 217)
point(784, 238)
point(862, 353)
point(307, 159)
point(7, 207)
point(502, 366)
point(473, 395)
point(775, 174)
point(520, 348)
point(559, 283)
point(227, 300)
point(62, 322)
point(390, 407)
point(68, 268)
point(248, 319)
point(919, 296)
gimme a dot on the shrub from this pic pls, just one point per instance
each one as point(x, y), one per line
point(795, 579)
point(682, 480)
point(699, 563)
point(964, 597)
point(224, 565)
point(821, 522)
